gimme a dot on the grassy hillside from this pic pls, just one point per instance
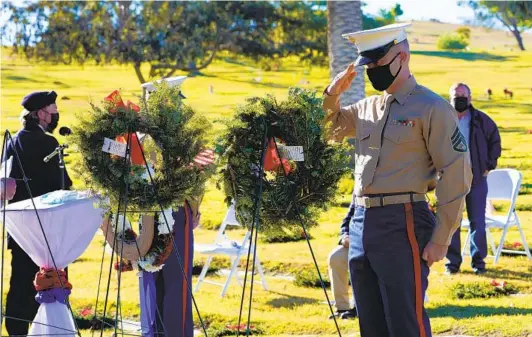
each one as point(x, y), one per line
point(287, 309)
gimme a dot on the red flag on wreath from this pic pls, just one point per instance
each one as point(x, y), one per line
point(134, 144)
point(272, 159)
point(133, 106)
point(116, 101)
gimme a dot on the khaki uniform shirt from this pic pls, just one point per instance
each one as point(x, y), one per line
point(402, 141)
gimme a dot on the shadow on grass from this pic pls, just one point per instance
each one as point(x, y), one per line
point(264, 84)
point(470, 311)
point(22, 78)
point(460, 55)
point(505, 274)
point(63, 85)
point(290, 301)
point(86, 323)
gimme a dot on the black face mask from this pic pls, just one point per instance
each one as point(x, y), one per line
point(460, 104)
point(381, 77)
point(53, 123)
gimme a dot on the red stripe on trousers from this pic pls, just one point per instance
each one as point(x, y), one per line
point(416, 259)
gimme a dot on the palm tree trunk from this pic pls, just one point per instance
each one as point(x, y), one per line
point(344, 17)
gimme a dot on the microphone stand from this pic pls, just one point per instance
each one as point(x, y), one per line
point(59, 151)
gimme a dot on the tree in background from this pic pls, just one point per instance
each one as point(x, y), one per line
point(385, 17)
point(344, 17)
point(516, 16)
point(452, 42)
point(170, 36)
point(465, 32)
point(306, 33)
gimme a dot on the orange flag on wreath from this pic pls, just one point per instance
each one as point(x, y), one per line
point(272, 160)
point(136, 152)
point(116, 100)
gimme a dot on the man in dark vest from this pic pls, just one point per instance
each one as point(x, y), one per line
point(32, 144)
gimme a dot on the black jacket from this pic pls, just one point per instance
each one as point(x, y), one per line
point(484, 144)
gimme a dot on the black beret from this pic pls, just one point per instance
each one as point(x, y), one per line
point(38, 100)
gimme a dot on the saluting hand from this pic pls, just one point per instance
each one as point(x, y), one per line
point(342, 81)
point(434, 252)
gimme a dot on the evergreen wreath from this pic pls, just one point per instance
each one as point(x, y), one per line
point(308, 186)
point(177, 132)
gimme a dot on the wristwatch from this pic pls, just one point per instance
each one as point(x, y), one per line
point(327, 93)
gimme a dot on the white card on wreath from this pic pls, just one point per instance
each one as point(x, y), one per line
point(114, 147)
point(294, 153)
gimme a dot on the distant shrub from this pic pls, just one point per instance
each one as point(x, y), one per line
point(211, 225)
point(452, 42)
point(465, 32)
point(524, 207)
point(270, 64)
point(309, 278)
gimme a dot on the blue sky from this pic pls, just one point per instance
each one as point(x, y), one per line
point(443, 10)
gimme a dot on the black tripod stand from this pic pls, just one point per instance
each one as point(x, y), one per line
point(269, 133)
point(122, 208)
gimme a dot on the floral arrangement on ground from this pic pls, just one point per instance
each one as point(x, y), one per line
point(464, 291)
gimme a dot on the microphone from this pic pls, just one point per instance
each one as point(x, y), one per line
point(65, 131)
point(50, 156)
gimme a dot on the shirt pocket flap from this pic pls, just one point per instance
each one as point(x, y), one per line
point(400, 134)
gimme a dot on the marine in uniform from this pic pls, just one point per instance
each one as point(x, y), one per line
point(404, 137)
point(32, 144)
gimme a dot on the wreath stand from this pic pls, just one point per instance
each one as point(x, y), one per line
point(63, 290)
point(255, 226)
point(122, 209)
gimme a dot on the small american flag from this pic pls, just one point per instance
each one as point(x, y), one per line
point(204, 158)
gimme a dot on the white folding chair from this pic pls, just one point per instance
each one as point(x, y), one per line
point(234, 250)
point(503, 184)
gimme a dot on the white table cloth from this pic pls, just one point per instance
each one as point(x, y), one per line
point(70, 220)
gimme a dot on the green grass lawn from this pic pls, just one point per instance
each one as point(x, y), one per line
point(286, 309)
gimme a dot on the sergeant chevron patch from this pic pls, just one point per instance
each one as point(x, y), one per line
point(458, 141)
